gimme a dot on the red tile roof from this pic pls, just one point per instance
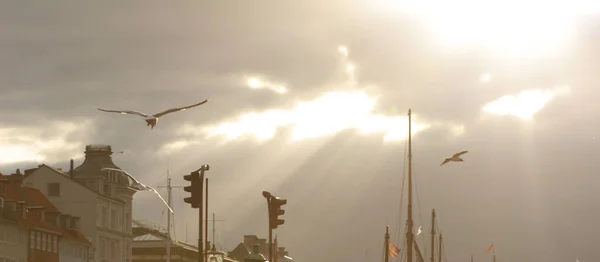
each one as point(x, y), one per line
point(34, 197)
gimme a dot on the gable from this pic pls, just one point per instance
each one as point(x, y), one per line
point(40, 175)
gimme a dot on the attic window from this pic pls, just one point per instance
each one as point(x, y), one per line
point(53, 189)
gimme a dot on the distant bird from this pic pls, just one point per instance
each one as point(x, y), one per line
point(152, 120)
point(454, 158)
point(420, 230)
point(137, 185)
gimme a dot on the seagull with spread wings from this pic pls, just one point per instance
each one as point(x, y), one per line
point(454, 158)
point(152, 120)
point(137, 185)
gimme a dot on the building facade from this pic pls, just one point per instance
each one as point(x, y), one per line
point(13, 235)
point(41, 225)
point(103, 200)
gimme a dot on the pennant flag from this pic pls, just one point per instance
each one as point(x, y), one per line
point(489, 248)
point(393, 250)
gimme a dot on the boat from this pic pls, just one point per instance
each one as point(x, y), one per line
point(412, 252)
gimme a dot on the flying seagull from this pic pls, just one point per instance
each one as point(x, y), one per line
point(455, 158)
point(152, 120)
point(137, 185)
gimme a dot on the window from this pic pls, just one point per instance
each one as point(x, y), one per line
point(104, 216)
point(32, 240)
point(43, 241)
point(102, 248)
point(53, 189)
point(113, 218)
point(55, 244)
point(38, 240)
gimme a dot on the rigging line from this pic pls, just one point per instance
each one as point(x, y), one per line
point(404, 169)
point(419, 207)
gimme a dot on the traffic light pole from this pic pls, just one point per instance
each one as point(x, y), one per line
point(196, 188)
point(200, 235)
point(270, 231)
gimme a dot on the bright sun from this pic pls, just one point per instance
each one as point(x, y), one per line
point(506, 28)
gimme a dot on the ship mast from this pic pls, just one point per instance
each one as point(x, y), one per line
point(169, 217)
point(409, 231)
point(433, 235)
point(387, 244)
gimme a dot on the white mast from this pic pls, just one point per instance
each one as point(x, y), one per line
point(169, 218)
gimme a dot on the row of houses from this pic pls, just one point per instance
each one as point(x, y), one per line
point(83, 214)
point(33, 229)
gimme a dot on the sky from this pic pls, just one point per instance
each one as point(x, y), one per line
point(309, 100)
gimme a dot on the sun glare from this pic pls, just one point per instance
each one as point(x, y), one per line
point(507, 28)
point(256, 83)
point(326, 115)
point(525, 104)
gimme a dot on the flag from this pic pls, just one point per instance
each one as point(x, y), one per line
point(393, 250)
point(489, 248)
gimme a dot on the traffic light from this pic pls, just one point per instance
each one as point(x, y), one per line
point(275, 211)
point(195, 189)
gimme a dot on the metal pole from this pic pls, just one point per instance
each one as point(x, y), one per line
point(270, 229)
point(409, 231)
point(200, 209)
point(270, 244)
point(206, 223)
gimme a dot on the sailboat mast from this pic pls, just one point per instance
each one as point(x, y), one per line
point(440, 249)
point(169, 217)
point(409, 231)
point(387, 243)
point(433, 235)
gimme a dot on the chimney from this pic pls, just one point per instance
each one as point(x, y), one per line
point(250, 240)
point(71, 167)
point(18, 172)
point(255, 255)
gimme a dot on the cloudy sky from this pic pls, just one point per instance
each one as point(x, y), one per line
point(309, 101)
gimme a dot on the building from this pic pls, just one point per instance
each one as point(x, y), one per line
point(101, 198)
point(39, 219)
point(13, 233)
point(243, 249)
point(149, 245)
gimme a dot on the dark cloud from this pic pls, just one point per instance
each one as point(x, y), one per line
point(523, 182)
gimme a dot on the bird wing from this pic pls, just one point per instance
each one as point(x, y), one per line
point(161, 198)
point(142, 186)
point(124, 172)
point(445, 161)
point(179, 109)
point(124, 112)
point(460, 153)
